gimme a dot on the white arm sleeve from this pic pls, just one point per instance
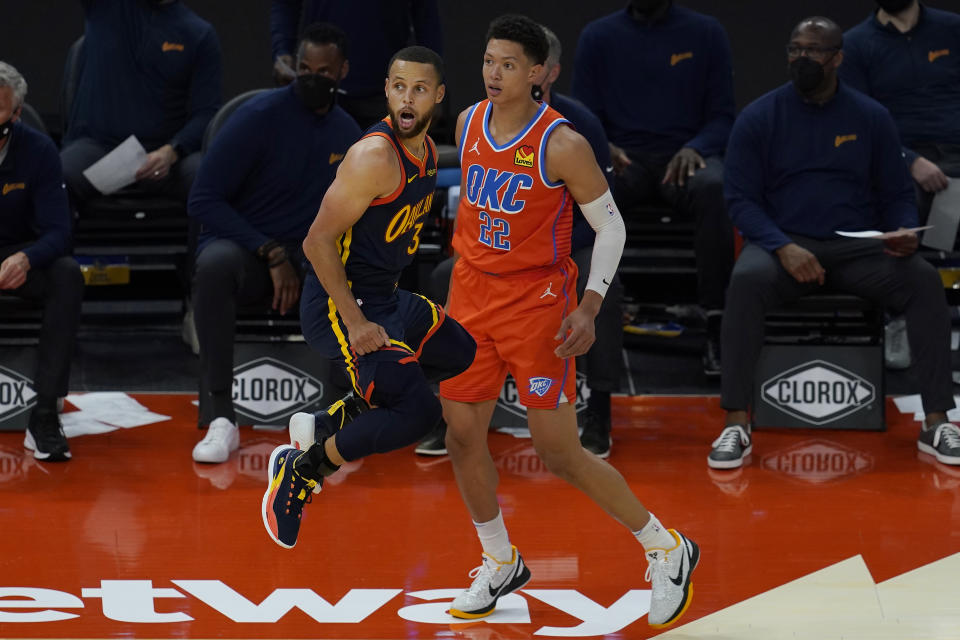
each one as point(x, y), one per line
point(604, 217)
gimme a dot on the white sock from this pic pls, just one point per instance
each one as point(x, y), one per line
point(494, 538)
point(655, 536)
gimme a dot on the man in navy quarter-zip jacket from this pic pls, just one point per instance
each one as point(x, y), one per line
point(907, 57)
point(660, 78)
point(806, 160)
point(35, 262)
point(258, 190)
point(150, 68)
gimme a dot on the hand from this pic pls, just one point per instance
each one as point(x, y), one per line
point(367, 337)
point(286, 286)
point(158, 163)
point(682, 166)
point(577, 332)
point(13, 270)
point(901, 244)
point(928, 175)
point(619, 158)
point(801, 264)
point(283, 72)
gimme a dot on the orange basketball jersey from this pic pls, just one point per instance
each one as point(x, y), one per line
point(511, 217)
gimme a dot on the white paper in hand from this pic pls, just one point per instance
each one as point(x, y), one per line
point(945, 216)
point(880, 235)
point(118, 168)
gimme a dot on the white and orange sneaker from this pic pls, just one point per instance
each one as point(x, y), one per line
point(669, 572)
point(492, 580)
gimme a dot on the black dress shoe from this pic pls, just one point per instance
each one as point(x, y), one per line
point(596, 435)
point(434, 443)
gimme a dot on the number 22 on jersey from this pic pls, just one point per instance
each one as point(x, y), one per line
point(494, 192)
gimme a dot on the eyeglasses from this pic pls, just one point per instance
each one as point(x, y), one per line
point(795, 51)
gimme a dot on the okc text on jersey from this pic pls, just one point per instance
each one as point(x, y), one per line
point(495, 190)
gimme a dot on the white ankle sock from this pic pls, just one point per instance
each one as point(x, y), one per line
point(655, 536)
point(494, 538)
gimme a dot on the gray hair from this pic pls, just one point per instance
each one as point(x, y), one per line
point(554, 50)
point(10, 77)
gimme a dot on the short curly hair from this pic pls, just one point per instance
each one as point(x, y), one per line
point(10, 77)
point(522, 30)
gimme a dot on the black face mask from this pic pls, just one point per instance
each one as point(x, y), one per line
point(318, 92)
point(647, 7)
point(894, 7)
point(6, 128)
point(807, 74)
point(536, 91)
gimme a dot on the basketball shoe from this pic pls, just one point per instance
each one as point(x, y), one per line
point(287, 493)
point(492, 580)
point(669, 571)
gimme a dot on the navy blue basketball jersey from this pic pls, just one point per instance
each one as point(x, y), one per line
point(386, 237)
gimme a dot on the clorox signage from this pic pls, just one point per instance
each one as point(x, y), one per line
point(818, 392)
point(16, 393)
point(267, 389)
point(509, 399)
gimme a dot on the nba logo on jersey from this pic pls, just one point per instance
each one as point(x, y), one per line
point(540, 386)
point(524, 156)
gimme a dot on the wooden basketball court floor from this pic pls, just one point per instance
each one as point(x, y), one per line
point(824, 534)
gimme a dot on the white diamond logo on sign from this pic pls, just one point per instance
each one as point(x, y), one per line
point(818, 392)
point(266, 389)
point(509, 399)
point(16, 393)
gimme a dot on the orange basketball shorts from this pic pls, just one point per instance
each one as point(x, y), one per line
point(514, 319)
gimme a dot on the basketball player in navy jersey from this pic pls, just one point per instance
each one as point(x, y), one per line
point(391, 343)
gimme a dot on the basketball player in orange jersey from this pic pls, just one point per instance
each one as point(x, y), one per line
point(514, 289)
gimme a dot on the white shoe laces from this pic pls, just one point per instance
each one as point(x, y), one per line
point(656, 570)
point(482, 575)
point(950, 435)
point(729, 439)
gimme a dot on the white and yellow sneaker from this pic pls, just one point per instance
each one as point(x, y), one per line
point(668, 572)
point(492, 579)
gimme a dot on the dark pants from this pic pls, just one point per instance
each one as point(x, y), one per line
point(700, 199)
point(79, 154)
point(58, 287)
point(945, 156)
point(910, 286)
point(226, 276)
point(603, 364)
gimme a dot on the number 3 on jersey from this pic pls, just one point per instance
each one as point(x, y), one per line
point(494, 232)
